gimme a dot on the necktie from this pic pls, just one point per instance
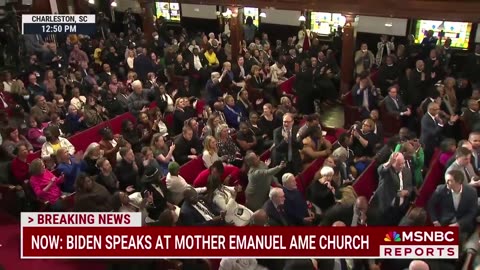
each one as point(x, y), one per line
point(396, 103)
point(204, 209)
point(289, 157)
point(467, 175)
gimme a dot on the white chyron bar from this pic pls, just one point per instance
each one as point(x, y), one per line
point(108, 219)
point(46, 24)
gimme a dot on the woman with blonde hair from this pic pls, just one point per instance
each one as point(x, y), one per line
point(226, 145)
point(21, 95)
point(90, 158)
point(45, 185)
point(210, 151)
point(211, 156)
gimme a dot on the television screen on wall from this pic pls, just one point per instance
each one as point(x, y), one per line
point(458, 32)
point(170, 11)
point(323, 23)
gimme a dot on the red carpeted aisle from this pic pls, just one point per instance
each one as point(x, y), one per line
point(10, 252)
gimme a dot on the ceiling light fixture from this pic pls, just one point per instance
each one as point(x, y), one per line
point(91, 2)
point(113, 4)
point(262, 15)
point(302, 18)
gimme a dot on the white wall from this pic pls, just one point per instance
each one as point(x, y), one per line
point(282, 17)
point(376, 25)
point(199, 11)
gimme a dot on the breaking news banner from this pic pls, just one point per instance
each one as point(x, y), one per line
point(41, 24)
point(121, 235)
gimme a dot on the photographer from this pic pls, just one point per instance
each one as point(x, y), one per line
point(364, 141)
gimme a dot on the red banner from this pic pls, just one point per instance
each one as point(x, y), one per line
point(258, 242)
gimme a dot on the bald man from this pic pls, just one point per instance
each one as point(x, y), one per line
point(432, 129)
point(259, 218)
point(338, 224)
point(418, 265)
point(394, 190)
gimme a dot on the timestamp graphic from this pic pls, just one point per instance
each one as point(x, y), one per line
point(58, 24)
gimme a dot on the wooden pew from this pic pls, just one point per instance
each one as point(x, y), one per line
point(367, 182)
point(433, 178)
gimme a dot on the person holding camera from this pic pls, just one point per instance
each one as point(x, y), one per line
point(363, 143)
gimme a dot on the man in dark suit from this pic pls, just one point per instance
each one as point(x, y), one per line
point(358, 214)
point(286, 146)
point(296, 208)
point(239, 71)
point(432, 130)
point(418, 85)
point(142, 65)
point(454, 204)
point(429, 42)
point(462, 163)
point(471, 116)
point(275, 209)
point(187, 146)
point(196, 212)
point(394, 104)
point(365, 95)
point(394, 190)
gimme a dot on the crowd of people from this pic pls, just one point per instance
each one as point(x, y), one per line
point(193, 101)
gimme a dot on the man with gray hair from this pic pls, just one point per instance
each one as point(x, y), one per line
point(296, 208)
point(275, 208)
point(286, 146)
point(260, 178)
point(138, 99)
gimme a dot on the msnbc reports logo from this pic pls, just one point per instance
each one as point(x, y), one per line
point(392, 237)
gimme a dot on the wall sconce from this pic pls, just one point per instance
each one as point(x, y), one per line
point(92, 2)
point(113, 4)
point(262, 15)
point(302, 18)
point(388, 24)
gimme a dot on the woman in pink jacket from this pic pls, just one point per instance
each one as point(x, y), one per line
point(45, 185)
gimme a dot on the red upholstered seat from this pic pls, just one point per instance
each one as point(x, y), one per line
point(200, 106)
point(306, 176)
point(169, 120)
point(433, 178)
point(266, 155)
point(202, 178)
point(367, 182)
point(391, 123)
point(352, 112)
point(190, 170)
point(287, 86)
